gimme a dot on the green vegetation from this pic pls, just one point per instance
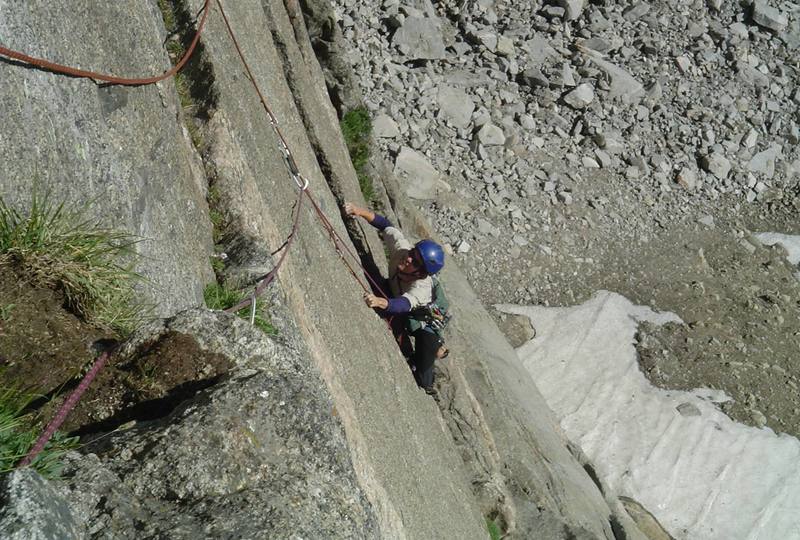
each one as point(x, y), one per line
point(217, 265)
point(220, 297)
point(185, 96)
point(494, 529)
point(5, 312)
point(214, 214)
point(178, 25)
point(356, 129)
point(170, 22)
point(60, 247)
point(189, 107)
point(17, 436)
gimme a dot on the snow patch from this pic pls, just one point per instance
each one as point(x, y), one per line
point(790, 243)
point(701, 474)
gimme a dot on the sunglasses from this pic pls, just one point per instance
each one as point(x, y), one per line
point(417, 263)
point(416, 259)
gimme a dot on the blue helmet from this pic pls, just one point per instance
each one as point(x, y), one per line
point(432, 255)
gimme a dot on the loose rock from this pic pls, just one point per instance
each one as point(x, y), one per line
point(420, 38)
point(384, 127)
point(491, 135)
point(420, 176)
point(455, 106)
point(581, 97)
point(769, 17)
point(716, 164)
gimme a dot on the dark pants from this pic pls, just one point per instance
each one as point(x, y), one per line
point(421, 354)
point(425, 346)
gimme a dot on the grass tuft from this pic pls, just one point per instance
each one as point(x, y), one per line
point(494, 529)
point(168, 13)
point(220, 297)
point(60, 247)
point(356, 128)
point(217, 265)
point(215, 213)
point(17, 436)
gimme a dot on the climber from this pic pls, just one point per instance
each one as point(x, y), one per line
point(411, 289)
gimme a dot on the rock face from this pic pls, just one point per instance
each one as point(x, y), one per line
point(322, 432)
point(32, 508)
point(493, 410)
point(404, 462)
point(325, 36)
point(258, 193)
point(256, 453)
point(117, 151)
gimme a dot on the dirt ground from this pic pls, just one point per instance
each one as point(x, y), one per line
point(45, 350)
point(739, 300)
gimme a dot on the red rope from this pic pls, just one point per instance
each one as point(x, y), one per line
point(70, 403)
point(65, 409)
point(337, 240)
point(67, 70)
point(274, 272)
point(292, 164)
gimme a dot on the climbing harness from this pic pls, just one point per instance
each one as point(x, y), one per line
point(434, 315)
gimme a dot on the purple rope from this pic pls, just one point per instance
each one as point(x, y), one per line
point(274, 272)
point(65, 409)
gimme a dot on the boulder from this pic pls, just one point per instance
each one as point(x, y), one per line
point(420, 177)
point(539, 50)
point(384, 127)
point(420, 38)
point(752, 76)
point(636, 11)
point(505, 47)
point(646, 521)
point(769, 17)
point(764, 162)
point(490, 135)
point(455, 106)
point(533, 78)
point(580, 97)
point(716, 164)
point(687, 178)
point(622, 85)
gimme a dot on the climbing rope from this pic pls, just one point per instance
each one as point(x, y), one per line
point(65, 409)
point(291, 164)
point(340, 246)
point(266, 280)
point(301, 182)
point(67, 70)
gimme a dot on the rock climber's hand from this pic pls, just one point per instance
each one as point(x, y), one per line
point(350, 209)
point(375, 301)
